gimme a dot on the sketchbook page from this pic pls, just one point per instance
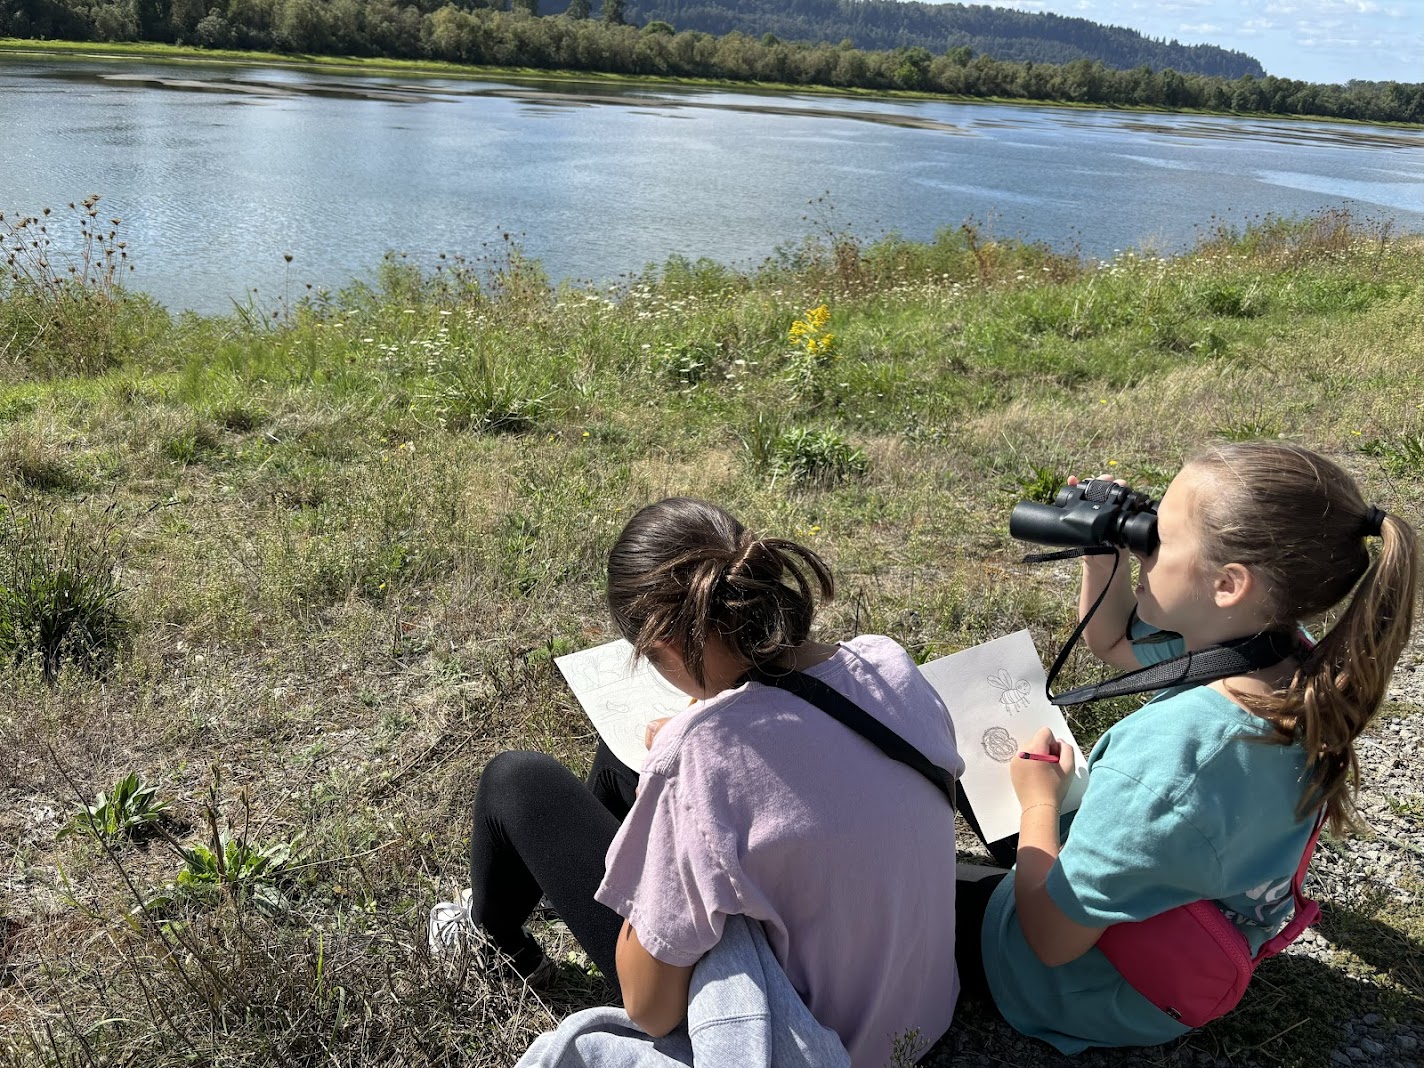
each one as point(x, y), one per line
point(621, 698)
point(996, 701)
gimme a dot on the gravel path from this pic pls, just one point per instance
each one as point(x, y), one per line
point(1382, 870)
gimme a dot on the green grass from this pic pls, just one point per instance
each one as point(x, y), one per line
point(347, 542)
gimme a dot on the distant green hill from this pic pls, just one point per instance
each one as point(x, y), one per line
point(885, 24)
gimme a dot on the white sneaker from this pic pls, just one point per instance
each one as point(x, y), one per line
point(450, 928)
point(451, 931)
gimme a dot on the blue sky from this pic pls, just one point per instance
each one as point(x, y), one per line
point(1313, 40)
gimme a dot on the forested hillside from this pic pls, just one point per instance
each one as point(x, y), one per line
point(998, 32)
point(869, 25)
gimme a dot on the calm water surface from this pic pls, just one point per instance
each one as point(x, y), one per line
point(217, 172)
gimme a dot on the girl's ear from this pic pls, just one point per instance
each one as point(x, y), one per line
point(1233, 584)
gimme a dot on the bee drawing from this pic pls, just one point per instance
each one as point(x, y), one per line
point(1014, 695)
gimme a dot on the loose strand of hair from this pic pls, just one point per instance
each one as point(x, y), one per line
point(700, 609)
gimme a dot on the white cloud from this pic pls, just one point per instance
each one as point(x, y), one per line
point(1319, 8)
point(1198, 28)
point(1351, 44)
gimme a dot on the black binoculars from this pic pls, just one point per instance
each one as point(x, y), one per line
point(1097, 512)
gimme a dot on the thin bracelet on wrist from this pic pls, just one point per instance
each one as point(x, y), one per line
point(1041, 804)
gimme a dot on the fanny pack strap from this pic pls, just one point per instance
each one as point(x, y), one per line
point(845, 711)
point(1238, 656)
point(1307, 911)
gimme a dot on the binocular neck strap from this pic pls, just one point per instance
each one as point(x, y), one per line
point(1235, 657)
point(1070, 554)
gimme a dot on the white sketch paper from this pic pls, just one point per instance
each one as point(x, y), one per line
point(994, 693)
point(996, 700)
point(621, 698)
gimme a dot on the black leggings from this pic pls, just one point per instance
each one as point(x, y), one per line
point(538, 830)
point(971, 901)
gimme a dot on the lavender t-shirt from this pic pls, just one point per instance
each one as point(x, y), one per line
point(754, 802)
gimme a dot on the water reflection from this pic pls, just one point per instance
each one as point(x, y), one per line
point(217, 171)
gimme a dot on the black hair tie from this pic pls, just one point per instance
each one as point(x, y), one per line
point(1373, 525)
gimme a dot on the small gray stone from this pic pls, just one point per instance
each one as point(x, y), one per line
point(1371, 1047)
point(1355, 1053)
point(1338, 1057)
point(1369, 1019)
point(1408, 1042)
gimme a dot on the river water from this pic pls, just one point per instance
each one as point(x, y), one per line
point(219, 172)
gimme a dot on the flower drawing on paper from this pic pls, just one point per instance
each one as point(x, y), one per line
point(1000, 745)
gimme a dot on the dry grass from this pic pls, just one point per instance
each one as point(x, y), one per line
point(344, 599)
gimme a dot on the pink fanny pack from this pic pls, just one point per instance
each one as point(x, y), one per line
point(1191, 961)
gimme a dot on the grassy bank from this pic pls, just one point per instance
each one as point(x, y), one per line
point(304, 570)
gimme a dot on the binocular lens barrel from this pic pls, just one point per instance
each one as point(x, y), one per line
point(1085, 524)
point(1043, 524)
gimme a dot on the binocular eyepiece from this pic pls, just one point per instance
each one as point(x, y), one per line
point(1097, 512)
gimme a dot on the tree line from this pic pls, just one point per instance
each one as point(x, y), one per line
point(487, 36)
point(884, 25)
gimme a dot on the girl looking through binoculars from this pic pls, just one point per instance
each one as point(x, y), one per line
point(1210, 791)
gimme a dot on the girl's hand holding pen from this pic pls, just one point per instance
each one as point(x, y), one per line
point(651, 730)
point(1042, 772)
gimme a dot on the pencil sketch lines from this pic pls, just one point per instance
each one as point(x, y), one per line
point(1000, 745)
point(1013, 694)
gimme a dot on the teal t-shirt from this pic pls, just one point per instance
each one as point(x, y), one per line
point(1186, 800)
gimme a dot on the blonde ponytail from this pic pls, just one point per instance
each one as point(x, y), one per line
point(1299, 522)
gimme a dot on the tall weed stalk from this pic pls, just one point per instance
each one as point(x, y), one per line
point(63, 309)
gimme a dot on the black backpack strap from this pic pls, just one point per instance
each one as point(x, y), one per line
point(841, 708)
